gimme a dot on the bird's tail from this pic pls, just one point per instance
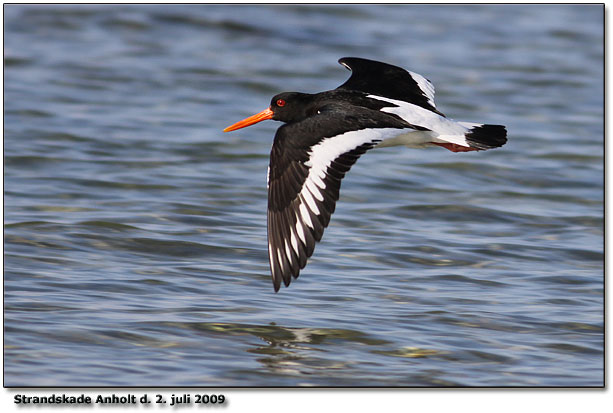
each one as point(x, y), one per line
point(482, 137)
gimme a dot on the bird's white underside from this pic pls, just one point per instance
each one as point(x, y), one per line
point(440, 129)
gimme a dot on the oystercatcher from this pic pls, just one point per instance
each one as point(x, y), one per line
point(324, 135)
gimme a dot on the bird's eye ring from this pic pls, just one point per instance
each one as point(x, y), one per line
point(280, 102)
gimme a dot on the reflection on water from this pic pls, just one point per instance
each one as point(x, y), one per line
point(300, 352)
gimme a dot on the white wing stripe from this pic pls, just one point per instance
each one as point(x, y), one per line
point(308, 198)
point(319, 181)
point(305, 215)
point(280, 259)
point(294, 241)
point(300, 230)
point(322, 154)
point(270, 254)
point(314, 190)
point(288, 253)
point(425, 85)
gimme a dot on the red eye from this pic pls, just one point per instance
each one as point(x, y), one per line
point(280, 102)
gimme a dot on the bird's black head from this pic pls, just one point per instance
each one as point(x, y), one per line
point(290, 106)
point(285, 107)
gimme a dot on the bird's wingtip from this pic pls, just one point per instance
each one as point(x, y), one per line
point(343, 61)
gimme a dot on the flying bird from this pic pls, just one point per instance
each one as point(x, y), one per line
point(325, 133)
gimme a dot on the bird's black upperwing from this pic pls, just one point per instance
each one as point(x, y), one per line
point(393, 82)
point(308, 160)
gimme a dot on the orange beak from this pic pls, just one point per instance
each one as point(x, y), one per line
point(258, 117)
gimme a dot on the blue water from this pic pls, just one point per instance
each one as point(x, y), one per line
point(135, 230)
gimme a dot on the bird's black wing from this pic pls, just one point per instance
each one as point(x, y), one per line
point(393, 82)
point(308, 160)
